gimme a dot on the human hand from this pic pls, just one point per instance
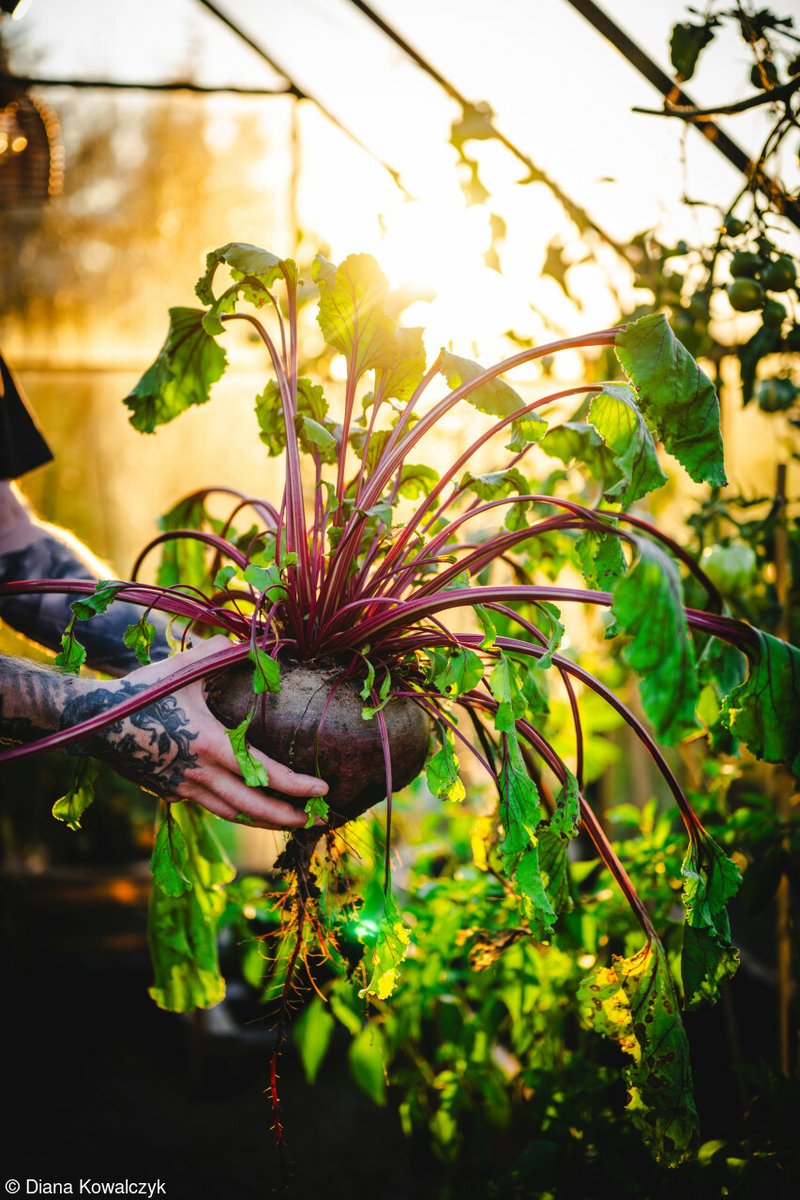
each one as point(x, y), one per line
point(176, 748)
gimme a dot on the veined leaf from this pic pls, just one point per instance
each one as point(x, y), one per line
point(316, 806)
point(554, 836)
point(139, 637)
point(351, 316)
point(267, 673)
point(416, 480)
point(406, 368)
point(622, 427)
point(188, 364)
point(183, 560)
point(520, 811)
point(506, 688)
point(388, 952)
point(648, 603)
point(494, 397)
point(72, 654)
point(552, 614)
point(367, 1056)
point(454, 672)
point(677, 399)
point(496, 484)
point(98, 602)
point(182, 927)
point(764, 711)
point(253, 771)
point(601, 560)
point(169, 861)
point(710, 880)
point(633, 1002)
point(442, 769)
point(71, 807)
point(578, 441)
point(243, 259)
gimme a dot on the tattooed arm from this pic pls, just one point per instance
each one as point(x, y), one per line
point(174, 747)
point(31, 549)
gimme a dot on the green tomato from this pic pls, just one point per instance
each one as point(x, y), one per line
point(745, 295)
point(780, 275)
point(730, 568)
point(746, 264)
point(776, 395)
point(773, 314)
point(733, 226)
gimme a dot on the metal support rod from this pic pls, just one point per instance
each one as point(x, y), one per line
point(731, 150)
point(26, 81)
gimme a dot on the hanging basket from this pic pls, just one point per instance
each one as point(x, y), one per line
point(31, 153)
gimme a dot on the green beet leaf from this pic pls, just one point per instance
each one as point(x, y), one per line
point(71, 807)
point(188, 364)
point(267, 672)
point(312, 1032)
point(170, 859)
point(520, 811)
point(254, 772)
point(685, 45)
point(551, 614)
point(98, 602)
point(316, 806)
point(710, 880)
point(417, 480)
point(454, 672)
point(616, 418)
point(442, 769)
point(600, 559)
point(633, 1002)
point(139, 637)
point(494, 396)
point(182, 932)
point(72, 654)
point(406, 368)
point(351, 316)
point(648, 603)
point(507, 690)
point(554, 836)
point(368, 1056)
point(764, 711)
point(388, 951)
point(577, 441)
point(244, 260)
point(677, 399)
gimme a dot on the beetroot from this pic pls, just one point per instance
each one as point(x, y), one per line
point(314, 725)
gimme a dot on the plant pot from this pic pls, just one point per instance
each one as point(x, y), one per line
point(301, 727)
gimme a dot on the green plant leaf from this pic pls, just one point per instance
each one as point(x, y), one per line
point(442, 769)
point(254, 772)
point(139, 637)
point(182, 931)
point(633, 1002)
point(71, 807)
point(367, 1056)
point(169, 861)
point(188, 364)
point(601, 560)
point(98, 602)
point(388, 951)
point(520, 812)
point(648, 603)
point(677, 399)
point(577, 441)
point(617, 419)
point(406, 367)
point(72, 654)
point(685, 45)
point(244, 260)
point(267, 580)
point(507, 690)
point(551, 614)
point(316, 806)
point(416, 480)
point(183, 560)
point(267, 673)
point(351, 314)
point(453, 672)
point(494, 397)
point(764, 711)
point(710, 880)
point(496, 484)
point(312, 1031)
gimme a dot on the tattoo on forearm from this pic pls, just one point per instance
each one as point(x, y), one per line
point(43, 617)
point(151, 747)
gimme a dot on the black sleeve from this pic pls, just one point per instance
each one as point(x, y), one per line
point(22, 446)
